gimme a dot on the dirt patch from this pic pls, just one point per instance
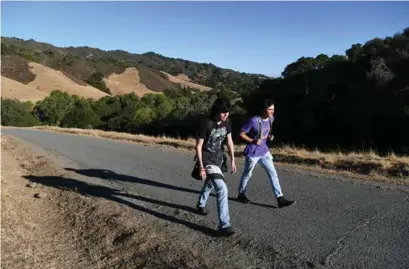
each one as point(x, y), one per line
point(12, 89)
point(33, 232)
point(16, 68)
point(52, 218)
point(184, 81)
point(126, 82)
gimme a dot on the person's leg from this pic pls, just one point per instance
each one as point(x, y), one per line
point(250, 163)
point(203, 196)
point(222, 203)
point(215, 174)
point(267, 163)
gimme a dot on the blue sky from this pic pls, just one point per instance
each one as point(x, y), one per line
point(255, 37)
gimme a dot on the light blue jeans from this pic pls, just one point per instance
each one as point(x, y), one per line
point(267, 162)
point(221, 195)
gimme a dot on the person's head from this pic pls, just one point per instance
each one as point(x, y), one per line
point(268, 108)
point(220, 109)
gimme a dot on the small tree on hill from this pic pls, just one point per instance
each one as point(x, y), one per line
point(96, 80)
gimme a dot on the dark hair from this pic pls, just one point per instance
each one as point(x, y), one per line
point(267, 103)
point(220, 105)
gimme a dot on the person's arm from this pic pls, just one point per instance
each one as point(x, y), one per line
point(245, 129)
point(230, 147)
point(199, 147)
point(245, 137)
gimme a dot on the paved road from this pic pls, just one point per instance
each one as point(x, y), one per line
point(336, 222)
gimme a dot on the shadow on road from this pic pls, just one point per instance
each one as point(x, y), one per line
point(110, 175)
point(114, 195)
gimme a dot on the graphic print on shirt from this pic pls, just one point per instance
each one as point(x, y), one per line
point(216, 139)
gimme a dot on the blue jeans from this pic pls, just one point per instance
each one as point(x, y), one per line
point(221, 194)
point(267, 162)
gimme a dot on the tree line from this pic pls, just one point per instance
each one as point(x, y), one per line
point(173, 113)
point(359, 100)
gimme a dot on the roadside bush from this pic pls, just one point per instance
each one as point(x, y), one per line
point(16, 113)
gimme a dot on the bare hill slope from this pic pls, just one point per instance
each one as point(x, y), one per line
point(184, 81)
point(48, 79)
point(126, 82)
point(13, 89)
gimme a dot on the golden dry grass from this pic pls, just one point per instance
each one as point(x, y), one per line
point(127, 82)
point(48, 79)
point(185, 81)
point(34, 233)
point(367, 164)
point(13, 89)
point(75, 224)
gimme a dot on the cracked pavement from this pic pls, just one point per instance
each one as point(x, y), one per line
point(336, 223)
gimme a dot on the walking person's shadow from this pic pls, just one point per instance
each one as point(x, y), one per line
point(117, 196)
point(110, 175)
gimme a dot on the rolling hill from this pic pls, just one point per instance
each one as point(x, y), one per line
point(93, 73)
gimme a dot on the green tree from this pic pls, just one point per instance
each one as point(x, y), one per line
point(53, 108)
point(80, 115)
point(16, 113)
point(144, 115)
point(96, 80)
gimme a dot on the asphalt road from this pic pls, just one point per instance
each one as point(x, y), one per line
point(336, 222)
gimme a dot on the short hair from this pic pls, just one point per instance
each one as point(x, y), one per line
point(267, 103)
point(220, 105)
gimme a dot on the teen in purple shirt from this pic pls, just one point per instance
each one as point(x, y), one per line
point(257, 151)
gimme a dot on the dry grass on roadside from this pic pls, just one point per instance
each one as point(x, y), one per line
point(51, 219)
point(362, 163)
point(392, 168)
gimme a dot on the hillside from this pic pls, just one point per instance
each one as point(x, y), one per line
point(93, 66)
point(13, 89)
point(126, 82)
point(26, 80)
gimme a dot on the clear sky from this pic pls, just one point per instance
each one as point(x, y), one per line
point(255, 37)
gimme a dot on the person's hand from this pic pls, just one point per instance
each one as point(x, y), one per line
point(260, 140)
point(202, 173)
point(233, 167)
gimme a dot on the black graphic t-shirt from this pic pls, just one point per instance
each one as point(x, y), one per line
point(214, 136)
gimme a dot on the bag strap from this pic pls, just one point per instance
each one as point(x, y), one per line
point(271, 125)
point(260, 127)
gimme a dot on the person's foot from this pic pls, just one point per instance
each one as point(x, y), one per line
point(228, 231)
point(242, 198)
point(282, 202)
point(202, 210)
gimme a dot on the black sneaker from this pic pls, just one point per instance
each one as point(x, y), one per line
point(228, 231)
point(282, 202)
point(242, 198)
point(202, 210)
